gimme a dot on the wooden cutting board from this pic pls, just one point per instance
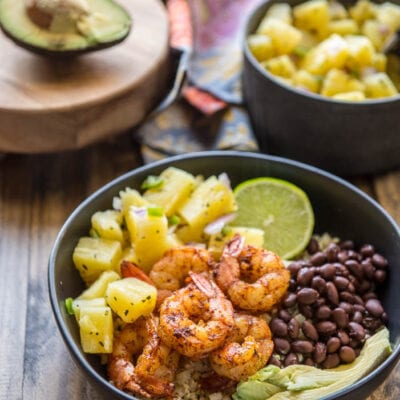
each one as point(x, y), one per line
point(53, 105)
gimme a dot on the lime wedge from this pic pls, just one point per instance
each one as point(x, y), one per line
point(279, 208)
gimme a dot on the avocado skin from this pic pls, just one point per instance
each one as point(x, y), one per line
point(51, 51)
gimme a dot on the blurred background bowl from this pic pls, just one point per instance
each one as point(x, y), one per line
point(343, 137)
point(340, 209)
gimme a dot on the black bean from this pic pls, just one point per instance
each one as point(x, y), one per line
point(331, 361)
point(356, 331)
point(326, 327)
point(380, 276)
point(367, 250)
point(351, 288)
point(332, 252)
point(318, 258)
point(342, 256)
point(369, 295)
point(318, 284)
point(278, 327)
point(327, 271)
point(340, 317)
point(347, 297)
point(294, 267)
point(379, 261)
point(332, 293)
point(357, 317)
point(313, 246)
point(304, 276)
point(374, 307)
point(355, 268)
point(293, 328)
point(290, 300)
point(343, 336)
point(307, 296)
point(347, 354)
point(309, 361)
point(322, 313)
point(359, 307)
point(282, 346)
point(368, 268)
point(306, 310)
point(291, 359)
point(284, 314)
point(309, 330)
point(372, 324)
point(364, 286)
point(341, 282)
point(275, 361)
point(319, 353)
point(333, 344)
point(302, 346)
point(292, 284)
point(347, 307)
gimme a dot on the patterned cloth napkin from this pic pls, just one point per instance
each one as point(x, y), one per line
point(208, 113)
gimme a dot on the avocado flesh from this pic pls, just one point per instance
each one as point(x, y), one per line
point(302, 382)
point(106, 24)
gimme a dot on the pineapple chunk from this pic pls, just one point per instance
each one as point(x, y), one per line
point(350, 96)
point(78, 303)
point(379, 85)
point(131, 298)
point(304, 80)
point(176, 187)
point(284, 37)
point(149, 235)
point(96, 329)
point(92, 256)
point(333, 52)
point(98, 288)
point(312, 15)
point(338, 81)
point(261, 46)
point(281, 11)
point(337, 11)
point(210, 200)
point(131, 197)
point(280, 66)
point(379, 62)
point(252, 236)
point(107, 224)
point(361, 52)
point(377, 32)
point(343, 27)
point(362, 11)
point(389, 14)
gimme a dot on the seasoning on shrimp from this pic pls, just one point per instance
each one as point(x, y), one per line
point(170, 271)
point(246, 349)
point(156, 364)
point(253, 278)
point(196, 319)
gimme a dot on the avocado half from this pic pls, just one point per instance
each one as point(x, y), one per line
point(107, 24)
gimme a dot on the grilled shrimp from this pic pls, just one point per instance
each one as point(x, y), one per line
point(196, 319)
point(156, 364)
point(247, 348)
point(253, 278)
point(171, 270)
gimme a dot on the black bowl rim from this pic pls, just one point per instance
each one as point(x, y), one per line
point(266, 74)
point(74, 349)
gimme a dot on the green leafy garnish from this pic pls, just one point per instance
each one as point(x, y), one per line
point(68, 305)
point(174, 220)
point(152, 182)
point(155, 211)
point(301, 51)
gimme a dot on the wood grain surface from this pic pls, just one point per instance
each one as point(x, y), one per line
point(51, 105)
point(37, 193)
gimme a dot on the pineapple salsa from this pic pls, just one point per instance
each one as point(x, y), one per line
point(323, 47)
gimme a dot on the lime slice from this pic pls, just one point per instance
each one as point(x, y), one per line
point(281, 209)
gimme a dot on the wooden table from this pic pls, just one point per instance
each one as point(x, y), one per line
point(37, 193)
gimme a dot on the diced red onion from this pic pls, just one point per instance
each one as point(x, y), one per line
point(216, 226)
point(140, 211)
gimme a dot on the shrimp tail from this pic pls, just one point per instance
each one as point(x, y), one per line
point(131, 270)
point(234, 247)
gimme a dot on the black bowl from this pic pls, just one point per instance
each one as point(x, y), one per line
point(339, 207)
point(343, 137)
